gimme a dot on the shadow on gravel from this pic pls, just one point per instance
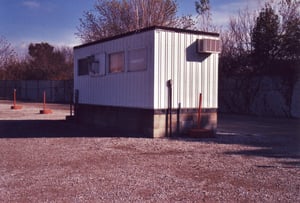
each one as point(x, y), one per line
point(265, 137)
point(275, 142)
point(53, 129)
point(260, 145)
point(271, 151)
point(287, 148)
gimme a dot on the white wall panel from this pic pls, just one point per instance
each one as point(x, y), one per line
point(170, 55)
point(192, 73)
point(127, 89)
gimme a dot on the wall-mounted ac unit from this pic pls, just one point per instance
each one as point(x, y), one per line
point(208, 46)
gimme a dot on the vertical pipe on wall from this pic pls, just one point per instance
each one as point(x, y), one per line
point(199, 110)
point(178, 119)
point(169, 114)
point(76, 102)
point(71, 104)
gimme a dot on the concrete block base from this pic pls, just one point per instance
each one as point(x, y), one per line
point(146, 122)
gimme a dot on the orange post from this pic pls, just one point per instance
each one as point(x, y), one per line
point(44, 101)
point(45, 111)
point(15, 106)
point(15, 97)
point(200, 132)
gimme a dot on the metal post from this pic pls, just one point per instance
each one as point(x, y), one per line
point(44, 100)
point(45, 110)
point(178, 118)
point(199, 110)
point(76, 102)
point(15, 92)
point(15, 106)
point(169, 84)
point(71, 104)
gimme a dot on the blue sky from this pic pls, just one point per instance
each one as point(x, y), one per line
point(55, 21)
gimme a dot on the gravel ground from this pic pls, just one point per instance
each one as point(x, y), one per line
point(47, 159)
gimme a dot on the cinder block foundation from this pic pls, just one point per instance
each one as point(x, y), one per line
point(145, 122)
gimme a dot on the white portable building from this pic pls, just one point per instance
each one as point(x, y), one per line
point(130, 81)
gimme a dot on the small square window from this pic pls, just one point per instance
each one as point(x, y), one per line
point(116, 62)
point(137, 60)
point(83, 67)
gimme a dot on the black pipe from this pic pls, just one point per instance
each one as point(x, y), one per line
point(76, 103)
point(169, 114)
point(178, 119)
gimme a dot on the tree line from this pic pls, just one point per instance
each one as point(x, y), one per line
point(262, 42)
point(266, 42)
point(42, 62)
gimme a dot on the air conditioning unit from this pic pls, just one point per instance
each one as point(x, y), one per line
point(208, 46)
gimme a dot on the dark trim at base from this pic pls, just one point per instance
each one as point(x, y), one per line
point(146, 122)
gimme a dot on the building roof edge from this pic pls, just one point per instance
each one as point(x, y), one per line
point(178, 30)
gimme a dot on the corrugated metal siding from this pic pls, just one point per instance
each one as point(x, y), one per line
point(126, 89)
point(191, 73)
point(170, 55)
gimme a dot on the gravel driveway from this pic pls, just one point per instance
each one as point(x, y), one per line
point(47, 159)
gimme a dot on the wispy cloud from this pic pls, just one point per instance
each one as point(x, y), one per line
point(222, 13)
point(31, 4)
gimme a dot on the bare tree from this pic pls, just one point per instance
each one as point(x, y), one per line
point(67, 52)
point(238, 47)
point(237, 44)
point(7, 53)
point(204, 15)
point(186, 22)
point(113, 17)
point(289, 12)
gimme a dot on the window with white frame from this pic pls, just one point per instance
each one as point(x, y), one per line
point(116, 62)
point(137, 59)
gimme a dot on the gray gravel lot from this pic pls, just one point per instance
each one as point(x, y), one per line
point(47, 159)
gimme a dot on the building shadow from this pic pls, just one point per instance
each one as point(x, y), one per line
point(273, 140)
point(277, 138)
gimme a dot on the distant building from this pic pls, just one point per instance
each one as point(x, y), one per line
point(122, 81)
